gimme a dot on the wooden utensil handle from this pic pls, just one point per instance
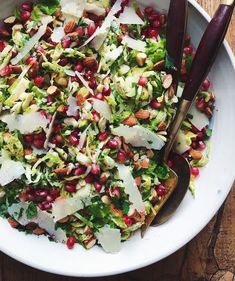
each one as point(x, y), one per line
point(176, 29)
point(207, 50)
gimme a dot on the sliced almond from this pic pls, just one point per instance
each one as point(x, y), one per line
point(167, 81)
point(38, 231)
point(138, 181)
point(10, 20)
point(61, 171)
point(141, 59)
point(80, 99)
point(52, 90)
point(69, 26)
point(130, 121)
point(142, 114)
point(89, 62)
point(196, 155)
point(145, 163)
point(159, 65)
point(91, 243)
point(171, 92)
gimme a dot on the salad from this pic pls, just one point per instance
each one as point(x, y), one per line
point(86, 102)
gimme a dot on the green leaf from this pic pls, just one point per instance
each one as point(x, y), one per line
point(156, 50)
point(48, 6)
point(162, 172)
point(31, 211)
point(17, 13)
point(209, 132)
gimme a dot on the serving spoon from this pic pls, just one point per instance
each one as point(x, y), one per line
point(175, 36)
point(202, 63)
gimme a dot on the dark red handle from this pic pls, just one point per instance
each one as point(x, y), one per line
point(176, 29)
point(207, 50)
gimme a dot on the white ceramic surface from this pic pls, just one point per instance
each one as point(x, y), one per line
point(211, 190)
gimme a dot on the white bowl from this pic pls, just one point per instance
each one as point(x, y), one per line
point(211, 189)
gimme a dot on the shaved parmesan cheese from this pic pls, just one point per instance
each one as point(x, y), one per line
point(101, 33)
point(113, 55)
point(62, 207)
point(94, 9)
point(84, 82)
point(43, 219)
point(181, 144)
point(33, 40)
point(72, 106)
point(103, 108)
point(131, 188)
point(83, 159)
point(199, 119)
point(27, 123)
point(65, 207)
point(139, 136)
point(83, 138)
point(69, 72)
point(10, 171)
point(109, 239)
point(58, 34)
point(73, 9)
point(129, 16)
point(134, 44)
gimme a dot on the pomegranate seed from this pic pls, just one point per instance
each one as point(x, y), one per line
point(6, 71)
point(41, 206)
point(73, 140)
point(128, 221)
point(206, 85)
point(28, 138)
point(95, 169)
point(154, 16)
point(195, 130)
point(195, 171)
point(143, 81)
point(161, 190)
point(47, 205)
point(102, 136)
point(57, 128)
point(115, 192)
point(75, 134)
point(98, 186)
point(41, 193)
point(188, 50)
point(113, 144)
point(78, 67)
point(106, 91)
point(153, 33)
point(23, 197)
point(201, 104)
point(155, 104)
point(201, 145)
point(27, 6)
point(148, 10)
point(70, 188)
point(63, 61)
point(194, 145)
point(79, 171)
point(40, 136)
point(99, 96)
point(93, 84)
point(25, 15)
point(156, 24)
point(38, 143)
point(96, 116)
point(170, 163)
point(38, 81)
point(89, 179)
point(50, 99)
point(91, 29)
point(71, 242)
point(66, 42)
point(200, 135)
point(122, 157)
point(80, 31)
point(54, 192)
point(2, 46)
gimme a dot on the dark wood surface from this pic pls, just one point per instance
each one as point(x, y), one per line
point(209, 256)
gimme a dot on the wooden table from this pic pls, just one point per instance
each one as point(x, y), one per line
point(209, 256)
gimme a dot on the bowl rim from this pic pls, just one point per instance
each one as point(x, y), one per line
point(139, 265)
